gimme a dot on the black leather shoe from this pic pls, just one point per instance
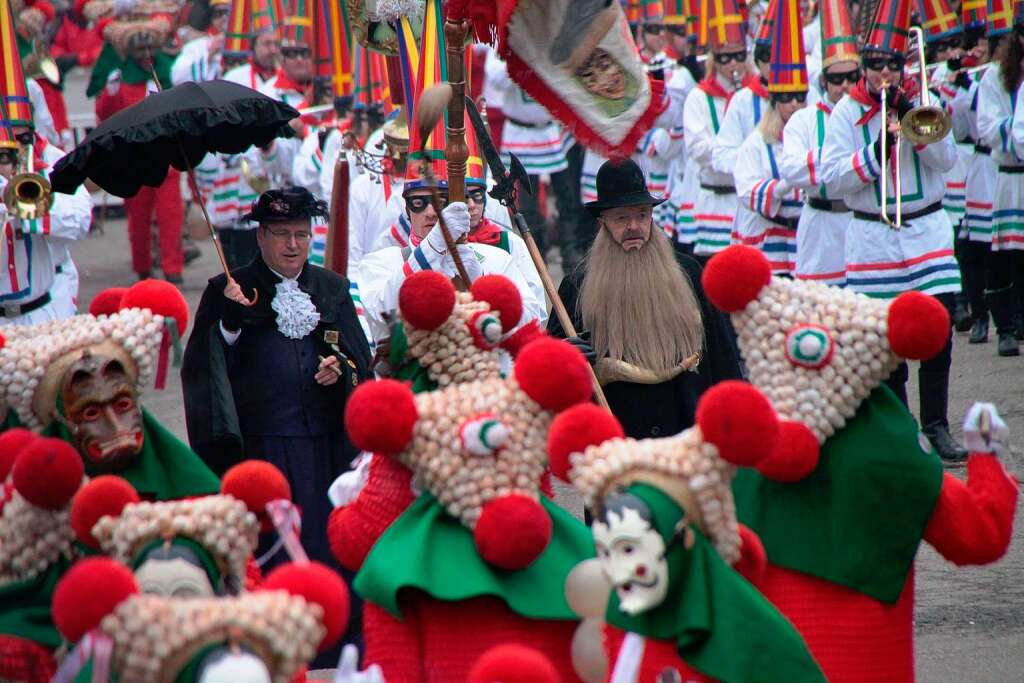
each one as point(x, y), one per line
point(979, 333)
point(1018, 323)
point(1008, 344)
point(951, 453)
point(961, 316)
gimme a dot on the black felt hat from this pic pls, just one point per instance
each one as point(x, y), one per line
point(289, 204)
point(621, 183)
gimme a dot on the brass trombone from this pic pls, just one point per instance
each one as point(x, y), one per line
point(922, 125)
point(28, 194)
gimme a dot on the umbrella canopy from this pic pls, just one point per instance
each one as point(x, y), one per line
point(176, 127)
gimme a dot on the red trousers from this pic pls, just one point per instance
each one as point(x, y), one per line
point(170, 214)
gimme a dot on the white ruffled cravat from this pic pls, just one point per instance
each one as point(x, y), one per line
point(296, 314)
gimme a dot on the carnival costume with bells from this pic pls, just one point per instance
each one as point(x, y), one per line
point(481, 551)
point(852, 487)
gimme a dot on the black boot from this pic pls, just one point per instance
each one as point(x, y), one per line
point(934, 390)
point(979, 333)
point(1000, 303)
point(961, 314)
point(1018, 326)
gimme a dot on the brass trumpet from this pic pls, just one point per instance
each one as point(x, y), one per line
point(922, 125)
point(28, 194)
point(259, 182)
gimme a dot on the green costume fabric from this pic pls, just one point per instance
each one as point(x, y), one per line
point(722, 626)
point(858, 519)
point(131, 73)
point(207, 563)
point(405, 367)
point(25, 607)
point(166, 468)
point(428, 549)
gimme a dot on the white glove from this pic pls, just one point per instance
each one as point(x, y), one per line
point(998, 433)
point(470, 261)
point(456, 216)
point(114, 82)
point(434, 249)
point(348, 485)
point(348, 669)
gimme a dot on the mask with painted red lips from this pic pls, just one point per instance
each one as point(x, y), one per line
point(102, 410)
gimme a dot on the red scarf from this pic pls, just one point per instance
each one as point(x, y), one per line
point(284, 83)
point(264, 74)
point(753, 81)
point(486, 233)
point(860, 94)
point(711, 86)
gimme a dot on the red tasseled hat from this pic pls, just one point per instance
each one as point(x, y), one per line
point(161, 297)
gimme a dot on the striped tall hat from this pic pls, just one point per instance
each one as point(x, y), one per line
point(14, 103)
point(297, 26)
point(721, 24)
point(433, 69)
point(644, 11)
point(764, 32)
point(1000, 17)
point(838, 41)
point(337, 35)
point(675, 12)
point(938, 20)
point(890, 28)
point(247, 19)
point(973, 13)
point(788, 71)
point(476, 172)
point(370, 79)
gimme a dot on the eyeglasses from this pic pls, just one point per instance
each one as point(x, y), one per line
point(419, 203)
point(945, 44)
point(894, 64)
point(295, 52)
point(287, 235)
point(477, 195)
point(840, 78)
point(726, 57)
point(786, 97)
point(652, 29)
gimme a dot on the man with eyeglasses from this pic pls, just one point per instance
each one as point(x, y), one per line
point(882, 260)
point(200, 59)
point(274, 354)
point(824, 219)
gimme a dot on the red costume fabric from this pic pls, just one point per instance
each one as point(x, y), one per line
point(658, 656)
point(84, 42)
point(55, 103)
point(25, 661)
point(165, 201)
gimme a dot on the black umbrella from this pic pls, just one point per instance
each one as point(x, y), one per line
point(176, 127)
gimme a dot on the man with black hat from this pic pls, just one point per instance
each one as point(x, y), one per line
point(273, 357)
point(640, 312)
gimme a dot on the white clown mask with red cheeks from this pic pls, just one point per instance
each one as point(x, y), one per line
point(632, 554)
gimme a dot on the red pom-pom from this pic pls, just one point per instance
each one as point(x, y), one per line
point(161, 297)
point(318, 584)
point(380, 416)
point(739, 421)
point(426, 299)
point(46, 8)
point(918, 326)
point(753, 559)
point(12, 442)
point(512, 531)
point(575, 429)
point(513, 663)
point(503, 297)
point(735, 276)
point(108, 301)
point(101, 497)
point(518, 340)
point(553, 373)
point(90, 590)
point(795, 454)
point(256, 483)
point(47, 473)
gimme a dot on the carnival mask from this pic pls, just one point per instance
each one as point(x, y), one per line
point(173, 572)
point(632, 553)
point(102, 409)
point(233, 666)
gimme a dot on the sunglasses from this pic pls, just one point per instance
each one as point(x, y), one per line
point(945, 44)
point(652, 29)
point(726, 57)
point(879, 63)
point(677, 30)
point(295, 52)
point(840, 78)
point(476, 195)
point(25, 139)
point(8, 157)
point(786, 97)
point(219, 12)
point(419, 204)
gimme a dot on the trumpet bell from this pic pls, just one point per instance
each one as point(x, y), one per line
point(259, 182)
point(925, 124)
point(48, 68)
point(28, 195)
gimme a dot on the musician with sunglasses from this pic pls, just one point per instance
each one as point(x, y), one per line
point(881, 260)
point(824, 219)
point(201, 59)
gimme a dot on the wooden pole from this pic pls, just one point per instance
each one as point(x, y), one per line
point(336, 251)
point(456, 151)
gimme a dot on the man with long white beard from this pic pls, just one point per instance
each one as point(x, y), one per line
point(640, 313)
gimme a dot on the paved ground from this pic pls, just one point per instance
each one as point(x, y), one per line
point(969, 622)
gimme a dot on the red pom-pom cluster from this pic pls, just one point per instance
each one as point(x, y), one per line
point(518, 340)
point(513, 663)
point(380, 416)
point(256, 483)
point(502, 296)
point(753, 558)
point(108, 301)
point(101, 497)
point(48, 472)
point(318, 584)
point(91, 590)
point(12, 443)
point(426, 299)
point(795, 454)
point(739, 421)
point(161, 297)
point(553, 373)
point(735, 276)
point(918, 326)
point(573, 430)
point(512, 532)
